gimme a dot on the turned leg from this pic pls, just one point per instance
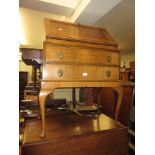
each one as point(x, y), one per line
point(119, 91)
point(42, 97)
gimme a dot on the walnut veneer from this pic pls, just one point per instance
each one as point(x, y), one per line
point(78, 56)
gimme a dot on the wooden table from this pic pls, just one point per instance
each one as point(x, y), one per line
point(72, 134)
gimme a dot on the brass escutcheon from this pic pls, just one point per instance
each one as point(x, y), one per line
point(108, 73)
point(108, 58)
point(60, 72)
point(60, 55)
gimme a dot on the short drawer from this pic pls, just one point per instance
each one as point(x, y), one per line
point(108, 73)
point(75, 54)
point(79, 72)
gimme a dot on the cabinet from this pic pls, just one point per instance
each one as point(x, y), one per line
point(128, 74)
point(77, 56)
point(108, 100)
point(124, 114)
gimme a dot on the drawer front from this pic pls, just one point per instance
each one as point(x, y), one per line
point(78, 72)
point(80, 55)
point(108, 73)
point(58, 72)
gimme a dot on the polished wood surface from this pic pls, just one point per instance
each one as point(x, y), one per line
point(72, 62)
point(72, 134)
point(32, 54)
point(51, 84)
point(79, 72)
point(69, 31)
point(109, 48)
point(77, 54)
point(67, 124)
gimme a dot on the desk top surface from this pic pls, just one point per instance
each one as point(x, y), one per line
point(61, 125)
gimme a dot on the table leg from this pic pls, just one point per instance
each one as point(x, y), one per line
point(73, 98)
point(42, 97)
point(98, 99)
point(119, 91)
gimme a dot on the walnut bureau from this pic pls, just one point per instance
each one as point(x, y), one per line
point(77, 56)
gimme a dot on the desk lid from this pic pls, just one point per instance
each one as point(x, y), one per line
point(76, 32)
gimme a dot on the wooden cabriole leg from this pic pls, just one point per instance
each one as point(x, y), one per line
point(42, 98)
point(119, 91)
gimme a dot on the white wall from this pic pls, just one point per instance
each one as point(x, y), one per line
point(31, 31)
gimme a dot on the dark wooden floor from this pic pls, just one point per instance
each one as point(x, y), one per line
point(71, 134)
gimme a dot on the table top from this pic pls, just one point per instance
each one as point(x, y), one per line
point(61, 125)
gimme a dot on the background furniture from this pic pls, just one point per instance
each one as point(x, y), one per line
point(108, 99)
point(131, 126)
point(124, 114)
point(128, 74)
point(78, 56)
point(23, 81)
point(33, 57)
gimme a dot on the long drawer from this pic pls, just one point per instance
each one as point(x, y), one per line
point(79, 72)
point(75, 54)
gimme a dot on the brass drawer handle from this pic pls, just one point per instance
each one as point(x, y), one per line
point(108, 73)
point(108, 58)
point(60, 55)
point(60, 72)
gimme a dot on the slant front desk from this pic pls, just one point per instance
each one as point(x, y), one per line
point(78, 56)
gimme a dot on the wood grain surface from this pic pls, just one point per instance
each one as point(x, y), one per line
point(78, 32)
point(79, 54)
point(69, 133)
